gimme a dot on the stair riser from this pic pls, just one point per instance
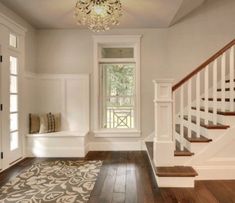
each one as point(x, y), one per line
point(195, 147)
point(227, 85)
point(225, 120)
point(214, 134)
point(191, 146)
point(178, 182)
point(181, 160)
point(208, 133)
point(219, 94)
point(219, 104)
point(194, 128)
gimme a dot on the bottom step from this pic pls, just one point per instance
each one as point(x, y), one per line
point(176, 171)
point(176, 176)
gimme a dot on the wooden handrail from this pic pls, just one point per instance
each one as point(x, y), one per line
point(202, 66)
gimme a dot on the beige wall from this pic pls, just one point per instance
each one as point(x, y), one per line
point(71, 51)
point(199, 35)
point(30, 41)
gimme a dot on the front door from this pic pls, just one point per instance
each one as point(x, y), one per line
point(10, 135)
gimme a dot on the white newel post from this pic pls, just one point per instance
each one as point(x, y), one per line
point(164, 139)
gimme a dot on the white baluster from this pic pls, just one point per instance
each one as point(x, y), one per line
point(215, 92)
point(231, 78)
point(223, 67)
point(189, 107)
point(206, 94)
point(173, 116)
point(198, 99)
point(181, 117)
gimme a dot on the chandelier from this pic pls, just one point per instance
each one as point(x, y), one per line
point(98, 15)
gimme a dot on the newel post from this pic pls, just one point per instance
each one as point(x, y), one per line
point(163, 140)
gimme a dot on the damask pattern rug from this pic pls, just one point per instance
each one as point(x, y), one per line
point(53, 182)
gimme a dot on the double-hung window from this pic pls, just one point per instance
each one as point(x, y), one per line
point(117, 105)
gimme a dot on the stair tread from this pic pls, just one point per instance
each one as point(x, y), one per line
point(193, 137)
point(184, 152)
point(224, 113)
point(149, 146)
point(176, 171)
point(218, 99)
point(210, 124)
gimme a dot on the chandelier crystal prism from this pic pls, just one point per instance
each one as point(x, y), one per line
point(98, 15)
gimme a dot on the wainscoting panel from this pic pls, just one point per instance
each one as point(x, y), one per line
point(65, 94)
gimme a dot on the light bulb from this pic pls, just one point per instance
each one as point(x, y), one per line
point(99, 10)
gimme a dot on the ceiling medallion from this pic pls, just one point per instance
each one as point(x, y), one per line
point(98, 15)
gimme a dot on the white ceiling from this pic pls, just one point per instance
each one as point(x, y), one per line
point(44, 14)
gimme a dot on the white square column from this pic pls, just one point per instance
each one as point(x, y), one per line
point(164, 143)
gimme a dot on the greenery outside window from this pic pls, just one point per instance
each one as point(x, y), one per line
point(118, 95)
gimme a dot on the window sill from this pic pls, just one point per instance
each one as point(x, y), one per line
point(117, 133)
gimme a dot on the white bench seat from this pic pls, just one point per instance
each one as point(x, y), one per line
point(57, 144)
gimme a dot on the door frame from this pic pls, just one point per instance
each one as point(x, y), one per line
point(8, 26)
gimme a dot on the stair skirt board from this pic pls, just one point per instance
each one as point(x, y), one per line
point(152, 166)
point(215, 172)
point(178, 182)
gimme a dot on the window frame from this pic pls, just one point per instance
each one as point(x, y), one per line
point(113, 41)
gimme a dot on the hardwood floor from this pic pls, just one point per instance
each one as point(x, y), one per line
point(127, 177)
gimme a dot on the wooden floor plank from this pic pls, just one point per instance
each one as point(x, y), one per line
point(139, 183)
point(118, 198)
point(131, 189)
point(120, 182)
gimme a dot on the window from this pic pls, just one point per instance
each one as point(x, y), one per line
point(118, 95)
point(117, 88)
point(13, 103)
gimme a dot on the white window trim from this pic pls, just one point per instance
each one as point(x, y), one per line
point(116, 40)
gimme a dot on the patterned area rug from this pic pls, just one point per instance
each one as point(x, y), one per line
point(53, 182)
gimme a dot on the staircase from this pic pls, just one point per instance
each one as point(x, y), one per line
point(195, 124)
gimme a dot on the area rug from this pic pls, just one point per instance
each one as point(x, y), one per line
point(53, 182)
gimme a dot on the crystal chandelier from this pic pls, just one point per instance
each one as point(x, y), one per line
point(98, 15)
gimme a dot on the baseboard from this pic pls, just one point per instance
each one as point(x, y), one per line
point(152, 166)
point(116, 146)
point(55, 152)
point(12, 165)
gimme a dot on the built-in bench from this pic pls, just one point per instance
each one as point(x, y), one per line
point(57, 144)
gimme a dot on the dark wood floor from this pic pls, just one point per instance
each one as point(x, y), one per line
point(127, 177)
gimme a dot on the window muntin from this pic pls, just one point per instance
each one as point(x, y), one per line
point(118, 93)
point(14, 115)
